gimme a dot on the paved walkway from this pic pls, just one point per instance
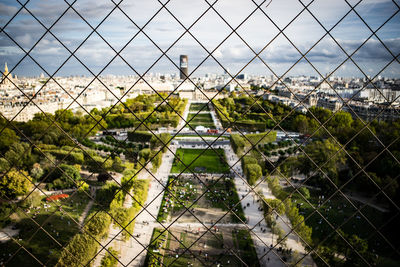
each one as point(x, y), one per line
point(367, 201)
point(114, 238)
point(256, 222)
point(7, 232)
point(85, 212)
point(215, 118)
point(133, 252)
point(185, 116)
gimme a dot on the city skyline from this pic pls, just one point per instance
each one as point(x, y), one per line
point(233, 54)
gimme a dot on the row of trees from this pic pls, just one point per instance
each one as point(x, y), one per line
point(286, 206)
point(251, 116)
point(346, 144)
point(251, 169)
point(83, 246)
point(144, 109)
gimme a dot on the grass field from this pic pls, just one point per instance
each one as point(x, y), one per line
point(194, 107)
point(337, 211)
point(36, 240)
point(223, 195)
point(203, 119)
point(208, 162)
point(212, 248)
point(220, 198)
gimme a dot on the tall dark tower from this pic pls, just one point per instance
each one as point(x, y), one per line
point(183, 64)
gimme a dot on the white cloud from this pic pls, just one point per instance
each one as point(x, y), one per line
point(210, 31)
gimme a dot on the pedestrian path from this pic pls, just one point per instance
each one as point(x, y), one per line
point(85, 212)
point(184, 116)
point(255, 220)
point(133, 252)
point(215, 118)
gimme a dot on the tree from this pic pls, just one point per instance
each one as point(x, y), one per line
point(275, 204)
point(117, 165)
point(65, 176)
point(33, 200)
point(4, 165)
point(110, 259)
point(304, 191)
point(253, 173)
point(20, 155)
point(341, 126)
point(341, 120)
point(296, 260)
point(139, 136)
point(248, 160)
point(103, 176)
point(7, 138)
point(160, 140)
point(325, 155)
point(36, 171)
point(15, 183)
point(322, 114)
point(300, 123)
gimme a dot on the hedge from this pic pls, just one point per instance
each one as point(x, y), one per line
point(140, 136)
point(83, 246)
point(139, 192)
point(109, 260)
point(248, 160)
point(237, 142)
point(261, 138)
point(253, 173)
point(292, 212)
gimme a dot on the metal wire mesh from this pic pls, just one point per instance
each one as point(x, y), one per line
point(243, 232)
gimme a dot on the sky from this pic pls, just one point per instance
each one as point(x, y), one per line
point(233, 35)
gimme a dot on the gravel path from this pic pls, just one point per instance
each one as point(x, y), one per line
point(256, 222)
point(133, 252)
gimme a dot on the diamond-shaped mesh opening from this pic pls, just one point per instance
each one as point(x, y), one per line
point(259, 133)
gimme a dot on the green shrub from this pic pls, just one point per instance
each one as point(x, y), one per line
point(110, 259)
point(64, 176)
point(274, 204)
point(304, 191)
point(145, 154)
point(140, 136)
point(105, 194)
point(33, 200)
point(253, 173)
point(156, 161)
point(238, 143)
point(161, 140)
point(117, 165)
point(248, 160)
point(98, 224)
point(79, 251)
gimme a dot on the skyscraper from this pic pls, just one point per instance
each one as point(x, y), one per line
point(183, 66)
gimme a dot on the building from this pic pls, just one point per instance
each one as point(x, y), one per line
point(183, 66)
point(6, 77)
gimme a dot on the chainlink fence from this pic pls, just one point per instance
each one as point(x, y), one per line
point(248, 201)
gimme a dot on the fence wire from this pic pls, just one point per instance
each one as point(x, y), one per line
point(312, 252)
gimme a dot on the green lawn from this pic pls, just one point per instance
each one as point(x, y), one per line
point(246, 247)
point(203, 119)
point(194, 107)
point(208, 162)
point(337, 211)
point(222, 195)
point(39, 242)
point(216, 250)
point(157, 242)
